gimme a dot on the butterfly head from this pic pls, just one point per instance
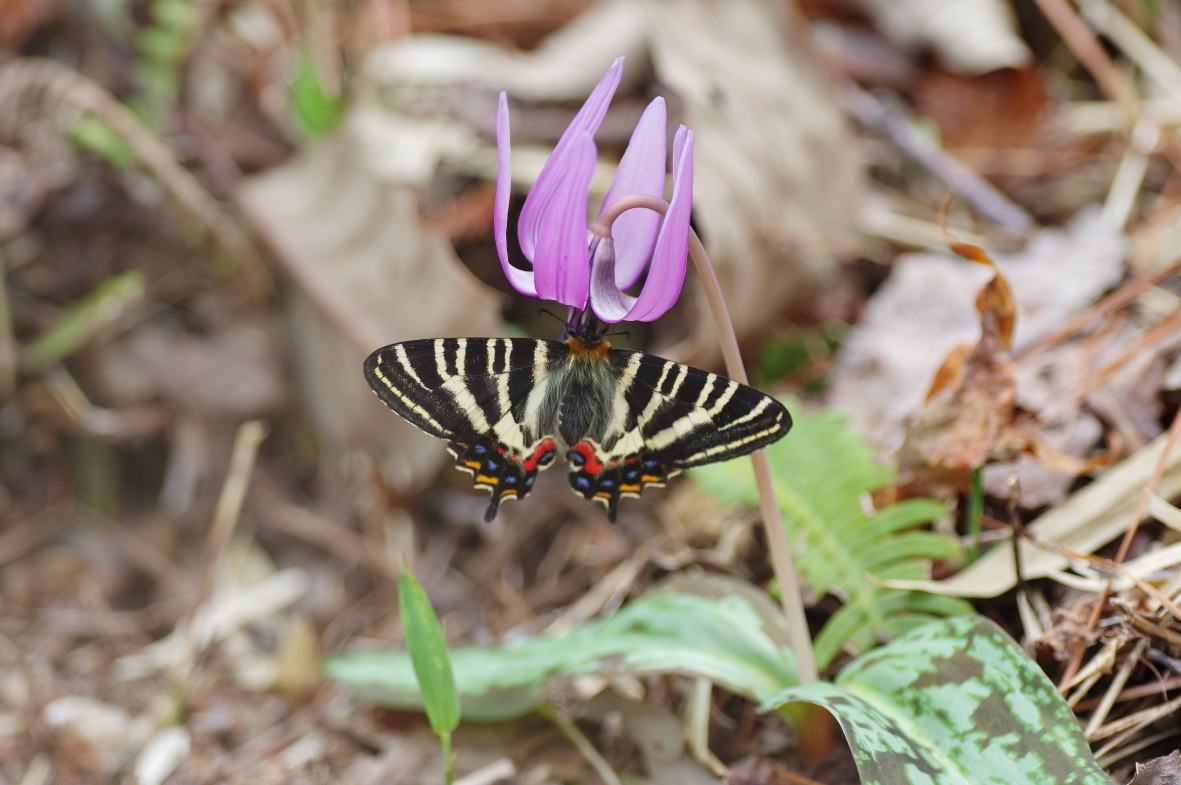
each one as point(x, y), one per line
point(588, 344)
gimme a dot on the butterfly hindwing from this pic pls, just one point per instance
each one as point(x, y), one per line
point(486, 396)
point(666, 417)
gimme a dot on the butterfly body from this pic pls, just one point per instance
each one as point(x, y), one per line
point(628, 419)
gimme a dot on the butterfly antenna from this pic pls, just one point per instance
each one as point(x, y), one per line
point(548, 312)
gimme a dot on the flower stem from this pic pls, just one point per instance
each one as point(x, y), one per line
point(790, 596)
point(781, 560)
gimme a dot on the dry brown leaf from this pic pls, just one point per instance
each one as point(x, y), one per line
point(924, 310)
point(970, 36)
point(971, 403)
point(1161, 771)
point(999, 110)
point(366, 273)
point(776, 167)
point(234, 372)
point(20, 18)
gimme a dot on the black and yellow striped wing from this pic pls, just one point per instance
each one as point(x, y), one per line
point(628, 419)
point(667, 417)
point(486, 396)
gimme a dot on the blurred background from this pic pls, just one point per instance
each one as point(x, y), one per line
point(210, 213)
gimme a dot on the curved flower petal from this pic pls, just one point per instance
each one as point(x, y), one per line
point(589, 117)
point(522, 280)
point(641, 171)
point(609, 302)
point(667, 272)
point(561, 264)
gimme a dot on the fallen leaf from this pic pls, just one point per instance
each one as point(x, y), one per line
point(969, 36)
point(1159, 771)
point(775, 167)
point(968, 414)
point(366, 273)
point(915, 320)
point(1084, 522)
point(998, 110)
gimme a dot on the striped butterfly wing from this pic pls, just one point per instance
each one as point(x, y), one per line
point(490, 398)
point(667, 417)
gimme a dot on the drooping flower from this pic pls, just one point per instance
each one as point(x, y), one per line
point(590, 268)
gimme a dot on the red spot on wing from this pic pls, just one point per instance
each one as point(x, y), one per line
point(541, 455)
point(590, 461)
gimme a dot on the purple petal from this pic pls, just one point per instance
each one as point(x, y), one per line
point(522, 280)
point(561, 263)
point(609, 302)
point(589, 117)
point(641, 171)
point(667, 273)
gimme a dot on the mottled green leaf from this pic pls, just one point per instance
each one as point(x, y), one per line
point(955, 702)
point(719, 628)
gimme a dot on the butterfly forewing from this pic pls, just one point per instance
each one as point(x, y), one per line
point(485, 396)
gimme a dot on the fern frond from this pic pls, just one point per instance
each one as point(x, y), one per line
point(824, 473)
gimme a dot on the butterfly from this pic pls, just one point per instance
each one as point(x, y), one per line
point(628, 420)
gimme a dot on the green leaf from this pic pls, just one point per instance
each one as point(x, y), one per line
point(80, 321)
point(318, 112)
point(823, 472)
point(93, 134)
point(428, 655)
point(719, 628)
point(955, 702)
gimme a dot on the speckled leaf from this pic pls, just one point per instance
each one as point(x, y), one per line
point(719, 628)
point(954, 702)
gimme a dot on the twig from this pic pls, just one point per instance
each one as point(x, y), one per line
point(1111, 302)
point(582, 743)
point(1137, 720)
point(1141, 507)
point(1068, 400)
point(1091, 55)
point(1129, 175)
point(64, 94)
point(890, 121)
point(698, 703)
point(1132, 41)
point(1106, 756)
point(1115, 687)
point(233, 492)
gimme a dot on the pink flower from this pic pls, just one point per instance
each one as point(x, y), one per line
point(591, 270)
